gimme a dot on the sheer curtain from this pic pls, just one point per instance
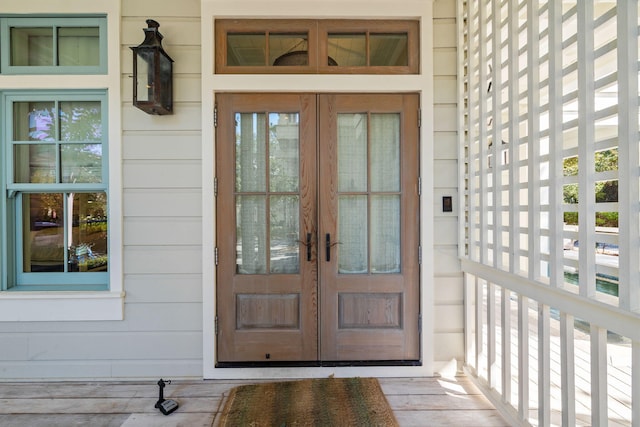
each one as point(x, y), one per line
point(369, 193)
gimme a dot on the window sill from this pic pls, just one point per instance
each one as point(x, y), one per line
point(61, 306)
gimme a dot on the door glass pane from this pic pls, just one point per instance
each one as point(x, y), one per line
point(78, 46)
point(43, 233)
point(32, 46)
point(352, 235)
point(385, 152)
point(352, 152)
point(348, 50)
point(251, 235)
point(288, 49)
point(388, 50)
point(250, 152)
point(88, 237)
point(385, 234)
point(284, 223)
point(284, 152)
point(246, 49)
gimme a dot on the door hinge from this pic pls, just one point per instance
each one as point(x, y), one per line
point(216, 325)
point(419, 323)
point(215, 116)
point(419, 117)
point(419, 254)
point(215, 186)
point(215, 256)
point(419, 186)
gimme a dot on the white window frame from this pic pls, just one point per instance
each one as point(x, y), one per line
point(78, 305)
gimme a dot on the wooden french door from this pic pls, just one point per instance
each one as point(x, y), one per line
point(317, 228)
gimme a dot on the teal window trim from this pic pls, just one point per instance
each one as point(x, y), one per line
point(11, 276)
point(8, 22)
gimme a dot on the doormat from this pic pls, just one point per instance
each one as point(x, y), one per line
point(311, 402)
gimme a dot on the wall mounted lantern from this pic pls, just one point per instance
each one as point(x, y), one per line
point(152, 73)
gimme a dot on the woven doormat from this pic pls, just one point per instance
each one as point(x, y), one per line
point(313, 402)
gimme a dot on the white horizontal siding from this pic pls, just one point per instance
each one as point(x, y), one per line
point(161, 334)
point(448, 297)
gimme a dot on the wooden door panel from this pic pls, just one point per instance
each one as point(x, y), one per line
point(266, 315)
point(367, 314)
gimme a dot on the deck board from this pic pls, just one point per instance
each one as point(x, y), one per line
point(415, 402)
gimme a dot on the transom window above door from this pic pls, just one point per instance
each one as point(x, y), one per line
point(305, 46)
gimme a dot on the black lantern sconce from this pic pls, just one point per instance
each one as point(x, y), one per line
point(152, 73)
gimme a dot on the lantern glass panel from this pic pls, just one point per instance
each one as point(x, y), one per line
point(144, 75)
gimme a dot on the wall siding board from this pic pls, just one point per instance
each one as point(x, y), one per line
point(157, 203)
point(162, 146)
point(162, 288)
point(162, 260)
point(158, 174)
point(115, 346)
point(170, 231)
point(185, 117)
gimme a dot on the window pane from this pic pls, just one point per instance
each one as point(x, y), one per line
point(251, 235)
point(80, 121)
point(352, 152)
point(385, 152)
point(35, 164)
point(288, 49)
point(250, 152)
point(348, 50)
point(81, 163)
point(78, 46)
point(352, 235)
point(285, 229)
point(284, 156)
point(88, 238)
point(246, 49)
point(43, 233)
point(32, 46)
point(388, 49)
point(34, 121)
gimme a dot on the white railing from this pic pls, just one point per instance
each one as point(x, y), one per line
point(547, 356)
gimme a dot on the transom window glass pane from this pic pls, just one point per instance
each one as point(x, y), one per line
point(246, 49)
point(78, 46)
point(288, 49)
point(64, 232)
point(55, 46)
point(32, 46)
point(348, 50)
point(388, 50)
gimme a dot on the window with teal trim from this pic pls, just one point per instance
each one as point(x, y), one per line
point(55, 158)
point(53, 45)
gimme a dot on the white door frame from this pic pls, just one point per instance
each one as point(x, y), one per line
point(421, 83)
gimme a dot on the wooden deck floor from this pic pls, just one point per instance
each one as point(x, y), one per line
point(415, 402)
